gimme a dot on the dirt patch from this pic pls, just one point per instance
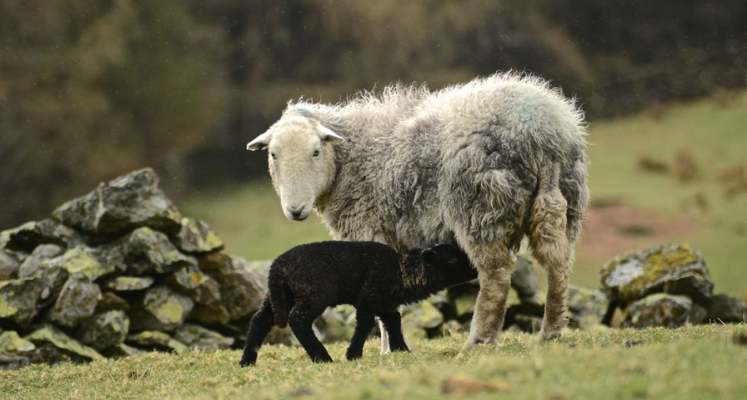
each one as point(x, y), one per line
point(613, 229)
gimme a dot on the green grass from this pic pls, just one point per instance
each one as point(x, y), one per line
point(688, 363)
point(251, 222)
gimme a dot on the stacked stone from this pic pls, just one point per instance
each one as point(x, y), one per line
point(118, 272)
point(667, 285)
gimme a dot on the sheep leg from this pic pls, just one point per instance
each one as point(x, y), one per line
point(554, 251)
point(300, 321)
point(393, 322)
point(384, 338)
point(365, 321)
point(260, 326)
point(494, 268)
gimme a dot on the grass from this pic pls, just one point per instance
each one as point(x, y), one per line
point(249, 218)
point(701, 362)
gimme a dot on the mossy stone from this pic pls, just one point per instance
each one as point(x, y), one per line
point(76, 303)
point(662, 310)
point(148, 252)
point(10, 342)
point(79, 261)
point(63, 346)
point(160, 309)
point(197, 237)
point(198, 337)
point(587, 306)
point(104, 330)
point(28, 236)
point(128, 283)
point(19, 300)
point(155, 340)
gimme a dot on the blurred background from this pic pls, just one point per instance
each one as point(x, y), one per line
point(91, 89)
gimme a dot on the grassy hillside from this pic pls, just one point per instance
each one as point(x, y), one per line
point(634, 206)
point(690, 363)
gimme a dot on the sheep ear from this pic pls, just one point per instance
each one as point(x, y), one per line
point(430, 257)
point(327, 135)
point(260, 142)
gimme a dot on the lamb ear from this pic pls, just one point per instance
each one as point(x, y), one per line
point(430, 257)
point(327, 135)
point(260, 142)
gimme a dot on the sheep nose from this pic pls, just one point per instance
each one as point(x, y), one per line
point(295, 212)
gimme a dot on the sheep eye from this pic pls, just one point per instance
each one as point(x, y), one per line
point(274, 157)
point(316, 153)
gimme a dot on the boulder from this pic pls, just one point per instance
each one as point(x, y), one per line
point(53, 346)
point(662, 309)
point(242, 286)
point(669, 268)
point(126, 203)
point(725, 308)
point(148, 252)
point(18, 301)
point(111, 302)
point(128, 283)
point(160, 309)
point(155, 340)
point(524, 281)
point(76, 303)
point(196, 237)
point(197, 337)
point(28, 236)
point(79, 261)
point(587, 307)
point(9, 265)
point(104, 330)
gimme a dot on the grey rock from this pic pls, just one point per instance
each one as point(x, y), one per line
point(663, 310)
point(80, 261)
point(52, 276)
point(242, 286)
point(10, 342)
point(186, 279)
point(160, 309)
point(19, 301)
point(52, 346)
point(155, 340)
point(111, 302)
point(28, 236)
point(670, 268)
point(197, 237)
point(725, 308)
point(148, 251)
point(197, 337)
point(112, 255)
point(587, 307)
point(336, 324)
point(524, 281)
point(104, 330)
point(127, 202)
point(76, 303)
point(419, 318)
point(14, 361)
point(208, 307)
point(128, 283)
point(8, 266)
point(123, 350)
point(462, 298)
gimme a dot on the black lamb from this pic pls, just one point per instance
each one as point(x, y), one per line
point(373, 277)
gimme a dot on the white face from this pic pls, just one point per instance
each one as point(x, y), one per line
point(301, 159)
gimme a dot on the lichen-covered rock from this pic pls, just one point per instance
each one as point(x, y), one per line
point(104, 330)
point(242, 287)
point(55, 346)
point(197, 337)
point(197, 237)
point(670, 268)
point(128, 283)
point(587, 307)
point(8, 266)
point(664, 310)
point(128, 202)
point(76, 303)
point(79, 261)
point(110, 254)
point(725, 308)
point(419, 317)
point(155, 340)
point(111, 302)
point(31, 234)
point(10, 342)
point(186, 279)
point(123, 350)
point(336, 324)
point(208, 307)
point(160, 309)
point(18, 301)
point(52, 276)
point(524, 281)
point(148, 251)
point(462, 298)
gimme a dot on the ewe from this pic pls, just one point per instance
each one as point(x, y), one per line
point(477, 166)
point(307, 279)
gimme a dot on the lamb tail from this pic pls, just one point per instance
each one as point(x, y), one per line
point(278, 297)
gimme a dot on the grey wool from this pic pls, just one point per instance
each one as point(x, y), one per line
point(373, 277)
point(479, 166)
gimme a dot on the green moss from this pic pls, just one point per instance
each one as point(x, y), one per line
point(64, 342)
point(170, 312)
point(77, 261)
point(6, 310)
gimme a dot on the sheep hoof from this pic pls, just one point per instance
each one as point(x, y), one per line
point(247, 361)
point(547, 336)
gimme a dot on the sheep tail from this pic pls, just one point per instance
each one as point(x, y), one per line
point(278, 296)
